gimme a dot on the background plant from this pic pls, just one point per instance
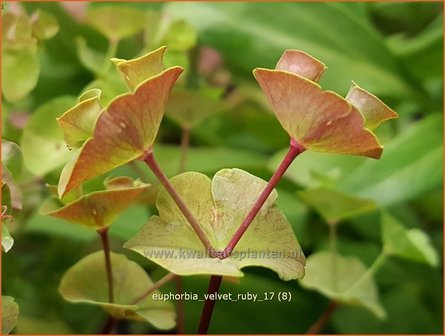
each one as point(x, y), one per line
point(394, 56)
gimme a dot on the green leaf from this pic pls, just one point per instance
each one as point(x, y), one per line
point(90, 58)
point(7, 240)
point(12, 158)
point(17, 32)
point(408, 168)
point(341, 286)
point(335, 206)
point(124, 131)
point(181, 36)
point(353, 50)
point(110, 84)
point(191, 107)
point(116, 22)
point(11, 193)
point(42, 143)
point(87, 282)
point(412, 244)
point(44, 25)
point(138, 70)
point(219, 205)
point(168, 157)
point(97, 209)
point(313, 169)
point(10, 314)
point(20, 72)
point(78, 122)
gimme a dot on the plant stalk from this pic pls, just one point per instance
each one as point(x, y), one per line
point(180, 311)
point(185, 144)
point(323, 319)
point(209, 304)
point(295, 149)
point(154, 166)
point(378, 262)
point(161, 282)
point(103, 233)
point(333, 246)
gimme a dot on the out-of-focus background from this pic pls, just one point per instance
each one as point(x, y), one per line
point(394, 50)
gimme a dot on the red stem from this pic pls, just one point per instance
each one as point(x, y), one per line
point(161, 282)
point(103, 233)
point(180, 311)
point(323, 319)
point(294, 150)
point(152, 163)
point(207, 310)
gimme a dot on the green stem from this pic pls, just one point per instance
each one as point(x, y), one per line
point(185, 144)
point(295, 149)
point(333, 245)
point(103, 233)
point(209, 304)
point(161, 282)
point(150, 160)
point(111, 52)
point(378, 262)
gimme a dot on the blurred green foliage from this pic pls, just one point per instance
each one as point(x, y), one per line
point(394, 50)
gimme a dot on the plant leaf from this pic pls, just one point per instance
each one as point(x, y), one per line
point(86, 282)
point(97, 209)
point(90, 58)
point(10, 314)
point(340, 287)
point(412, 244)
point(116, 22)
point(318, 169)
point(20, 72)
point(189, 108)
point(408, 169)
point(219, 206)
point(42, 142)
point(17, 32)
point(123, 131)
point(44, 25)
point(257, 28)
point(7, 240)
point(137, 70)
point(302, 64)
point(372, 108)
point(317, 119)
point(181, 36)
point(335, 206)
point(78, 122)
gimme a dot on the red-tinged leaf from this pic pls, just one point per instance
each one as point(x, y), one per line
point(373, 109)
point(78, 123)
point(301, 63)
point(319, 120)
point(138, 70)
point(123, 131)
point(97, 209)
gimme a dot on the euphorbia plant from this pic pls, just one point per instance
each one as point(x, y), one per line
point(230, 222)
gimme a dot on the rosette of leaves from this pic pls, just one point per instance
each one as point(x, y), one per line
point(96, 210)
point(124, 130)
point(20, 60)
point(219, 205)
point(84, 283)
point(321, 120)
